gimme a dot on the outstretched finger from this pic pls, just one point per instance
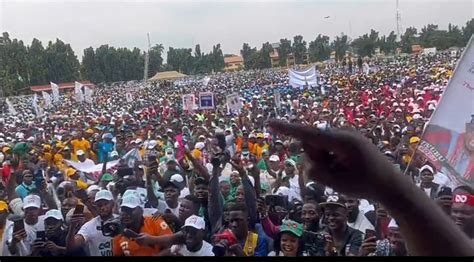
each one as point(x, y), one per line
point(304, 133)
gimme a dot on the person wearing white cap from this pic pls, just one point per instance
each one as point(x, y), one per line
point(132, 219)
point(194, 245)
point(79, 143)
point(427, 183)
point(81, 158)
point(90, 234)
point(20, 243)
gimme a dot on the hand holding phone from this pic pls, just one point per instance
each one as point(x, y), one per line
point(79, 209)
point(130, 233)
point(369, 233)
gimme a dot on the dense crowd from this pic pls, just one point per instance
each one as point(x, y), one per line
point(143, 177)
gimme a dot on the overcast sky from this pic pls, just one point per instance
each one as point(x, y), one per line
point(181, 23)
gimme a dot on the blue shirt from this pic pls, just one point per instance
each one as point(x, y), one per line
point(23, 190)
point(104, 150)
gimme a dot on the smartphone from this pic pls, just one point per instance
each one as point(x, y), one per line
point(79, 209)
point(130, 233)
point(369, 233)
point(40, 236)
point(18, 225)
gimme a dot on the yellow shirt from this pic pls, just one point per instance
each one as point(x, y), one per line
point(77, 144)
point(258, 150)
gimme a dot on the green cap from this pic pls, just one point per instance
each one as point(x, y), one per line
point(107, 177)
point(292, 227)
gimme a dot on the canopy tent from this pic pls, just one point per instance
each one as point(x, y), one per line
point(168, 75)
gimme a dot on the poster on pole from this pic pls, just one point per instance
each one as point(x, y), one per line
point(78, 92)
point(88, 93)
point(233, 103)
point(305, 77)
point(11, 109)
point(189, 101)
point(47, 99)
point(55, 92)
point(277, 97)
point(129, 97)
point(206, 100)
point(448, 139)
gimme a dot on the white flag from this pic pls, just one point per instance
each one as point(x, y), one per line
point(88, 92)
point(11, 109)
point(206, 80)
point(129, 97)
point(448, 139)
point(38, 110)
point(47, 99)
point(78, 92)
point(55, 92)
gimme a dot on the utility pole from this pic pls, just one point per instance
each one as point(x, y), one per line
point(147, 58)
point(399, 21)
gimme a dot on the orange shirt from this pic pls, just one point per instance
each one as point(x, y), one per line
point(151, 227)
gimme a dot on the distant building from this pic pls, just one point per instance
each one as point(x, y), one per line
point(275, 58)
point(234, 63)
point(62, 86)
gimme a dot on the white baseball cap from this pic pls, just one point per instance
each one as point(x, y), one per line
point(130, 201)
point(195, 221)
point(80, 152)
point(92, 188)
point(54, 213)
point(31, 201)
point(274, 158)
point(103, 195)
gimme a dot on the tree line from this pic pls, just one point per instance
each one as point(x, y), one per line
point(23, 65)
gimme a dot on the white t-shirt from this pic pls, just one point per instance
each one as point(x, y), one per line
point(24, 247)
point(361, 223)
point(295, 187)
point(205, 251)
point(96, 242)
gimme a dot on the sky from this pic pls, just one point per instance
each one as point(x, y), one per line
point(185, 23)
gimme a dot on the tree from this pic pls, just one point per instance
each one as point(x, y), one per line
point(264, 60)
point(155, 59)
point(340, 46)
point(366, 44)
point(467, 31)
point(284, 50)
point(248, 54)
point(408, 39)
point(299, 49)
point(217, 58)
point(319, 49)
point(36, 60)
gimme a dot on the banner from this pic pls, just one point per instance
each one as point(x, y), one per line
point(233, 103)
point(189, 101)
point(95, 170)
point(299, 78)
point(47, 99)
point(55, 92)
point(206, 100)
point(11, 109)
point(129, 97)
point(448, 140)
point(88, 92)
point(78, 92)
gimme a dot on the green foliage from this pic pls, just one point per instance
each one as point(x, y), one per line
point(319, 49)
point(284, 50)
point(299, 49)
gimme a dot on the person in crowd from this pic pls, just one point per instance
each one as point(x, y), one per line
point(194, 231)
point(289, 241)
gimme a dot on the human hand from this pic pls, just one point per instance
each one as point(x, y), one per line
point(143, 239)
point(368, 246)
point(50, 246)
point(342, 160)
point(237, 250)
point(76, 220)
point(19, 236)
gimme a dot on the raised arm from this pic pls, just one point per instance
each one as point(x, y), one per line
point(349, 164)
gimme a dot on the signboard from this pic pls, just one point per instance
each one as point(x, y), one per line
point(189, 101)
point(448, 140)
point(206, 100)
point(233, 103)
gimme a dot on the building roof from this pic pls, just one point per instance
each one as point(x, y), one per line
point(63, 86)
point(233, 59)
point(168, 75)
